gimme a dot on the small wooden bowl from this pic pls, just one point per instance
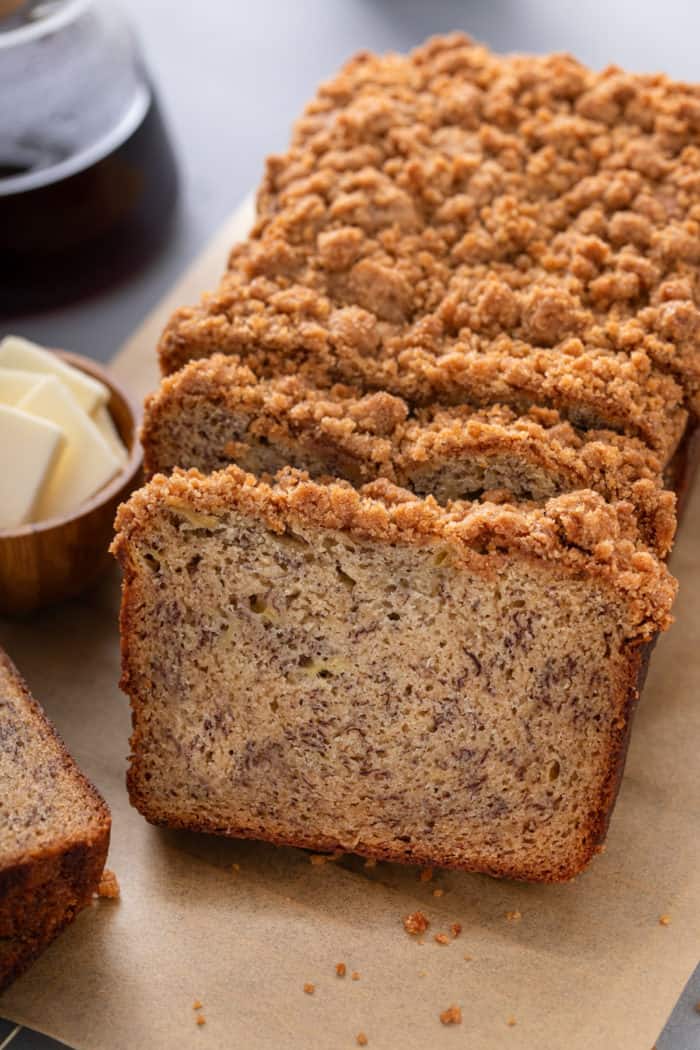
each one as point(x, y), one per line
point(48, 561)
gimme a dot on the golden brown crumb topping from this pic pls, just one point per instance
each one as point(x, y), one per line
point(455, 224)
point(381, 432)
point(287, 404)
point(578, 531)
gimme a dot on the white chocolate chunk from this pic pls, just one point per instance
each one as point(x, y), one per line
point(105, 424)
point(15, 383)
point(86, 462)
point(28, 450)
point(16, 352)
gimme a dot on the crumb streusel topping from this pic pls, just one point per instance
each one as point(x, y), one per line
point(456, 225)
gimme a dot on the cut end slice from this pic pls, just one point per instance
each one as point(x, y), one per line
point(54, 830)
point(374, 673)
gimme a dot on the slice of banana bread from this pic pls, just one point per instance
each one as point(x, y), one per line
point(215, 411)
point(369, 671)
point(54, 830)
point(459, 225)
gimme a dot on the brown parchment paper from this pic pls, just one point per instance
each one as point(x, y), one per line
point(587, 965)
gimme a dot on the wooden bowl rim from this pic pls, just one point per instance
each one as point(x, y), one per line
point(113, 487)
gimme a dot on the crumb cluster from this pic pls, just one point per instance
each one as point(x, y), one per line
point(109, 885)
point(415, 923)
point(452, 1015)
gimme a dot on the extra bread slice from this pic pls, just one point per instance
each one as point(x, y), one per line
point(454, 225)
point(216, 411)
point(54, 830)
point(371, 672)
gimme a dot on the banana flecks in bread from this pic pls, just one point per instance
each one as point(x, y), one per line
point(462, 640)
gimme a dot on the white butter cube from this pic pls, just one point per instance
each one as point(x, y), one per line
point(15, 383)
point(28, 450)
point(16, 352)
point(86, 462)
point(105, 425)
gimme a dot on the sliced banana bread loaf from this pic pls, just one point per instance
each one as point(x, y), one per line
point(372, 672)
point(216, 411)
point(54, 830)
point(456, 225)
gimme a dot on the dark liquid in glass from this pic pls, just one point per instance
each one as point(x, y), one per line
point(75, 235)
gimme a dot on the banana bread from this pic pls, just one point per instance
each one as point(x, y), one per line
point(215, 411)
point(369, 671)
point(454, 225)
point(470, 275)
point(54, 830)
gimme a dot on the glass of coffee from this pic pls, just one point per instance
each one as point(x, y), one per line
point(88, 179)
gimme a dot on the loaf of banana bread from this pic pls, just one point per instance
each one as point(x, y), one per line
point(54, 830)
point(215, 411)
point(369, 671)
point(470, 276)
point(455, 225)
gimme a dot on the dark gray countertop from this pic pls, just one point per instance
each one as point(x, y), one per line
point(233, 75)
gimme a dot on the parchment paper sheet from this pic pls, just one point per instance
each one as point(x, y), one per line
point(588, 966)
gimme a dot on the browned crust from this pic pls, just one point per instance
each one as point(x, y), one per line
point(638, 668)
point(457, 225)
point(43, 897)
point(376, 435)
point(42, 890)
